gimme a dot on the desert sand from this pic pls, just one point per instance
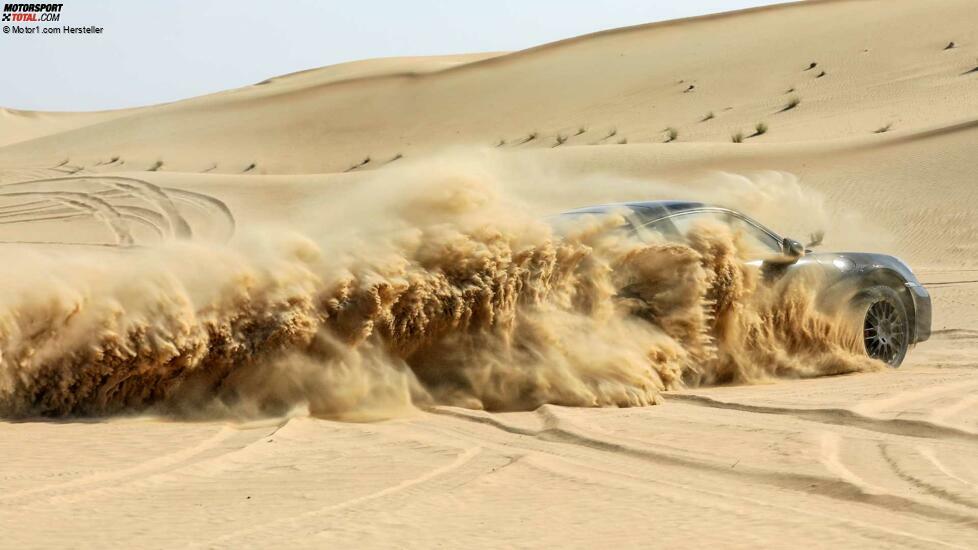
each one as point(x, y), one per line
point(210, 239)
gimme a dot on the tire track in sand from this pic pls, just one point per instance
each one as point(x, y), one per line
point(157, 465)
point(556, 431)
point(842, 417)
point(894, 462)
point(714, 475)
point(163, 216)
point(99, 208)
point(461, 459)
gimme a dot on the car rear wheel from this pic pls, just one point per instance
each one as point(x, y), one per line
point(886, 326)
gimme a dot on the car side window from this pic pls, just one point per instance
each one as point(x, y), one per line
point(661, 230)
point(754, 237)
point(685, 223)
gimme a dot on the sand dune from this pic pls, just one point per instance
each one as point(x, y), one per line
point(27, 125)
point(260, 236)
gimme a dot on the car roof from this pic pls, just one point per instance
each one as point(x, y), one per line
point(646, 212)
point(645, 208)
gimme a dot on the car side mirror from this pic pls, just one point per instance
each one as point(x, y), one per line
point(792, 248)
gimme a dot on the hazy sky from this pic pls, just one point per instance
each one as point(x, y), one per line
point(155, 51)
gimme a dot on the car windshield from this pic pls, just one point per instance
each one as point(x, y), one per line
point(578, 220)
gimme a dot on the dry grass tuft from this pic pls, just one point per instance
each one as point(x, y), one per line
point(361, 164)
point(793, 102)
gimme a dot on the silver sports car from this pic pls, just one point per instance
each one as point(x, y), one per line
point(881, 289)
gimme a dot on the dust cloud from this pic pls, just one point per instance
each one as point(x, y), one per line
point(434, 284)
